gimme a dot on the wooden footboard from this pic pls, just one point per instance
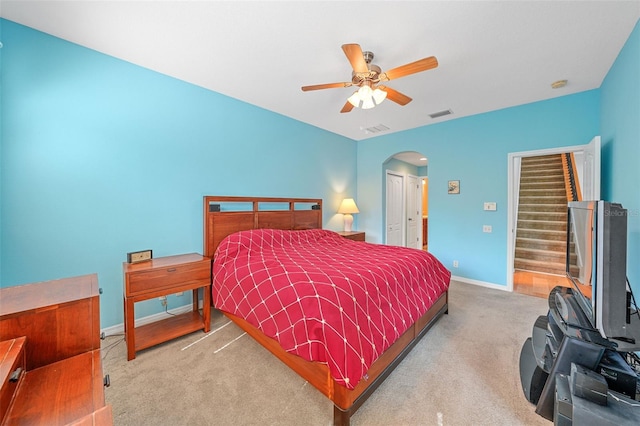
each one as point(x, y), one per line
point(346, 402)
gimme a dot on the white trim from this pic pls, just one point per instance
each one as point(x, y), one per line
point(548, 151)
point(511, 219)
point(479, 283)
point(420, 178)
point(418, 196)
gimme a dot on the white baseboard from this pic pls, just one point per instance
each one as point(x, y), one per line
point(119, 328)
point(480, 283)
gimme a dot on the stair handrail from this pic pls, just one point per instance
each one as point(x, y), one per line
point(571, 181)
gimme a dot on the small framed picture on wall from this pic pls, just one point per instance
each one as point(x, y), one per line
point(453, 187)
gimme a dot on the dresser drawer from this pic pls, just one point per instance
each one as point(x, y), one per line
point(168, 276)
point(12, 370)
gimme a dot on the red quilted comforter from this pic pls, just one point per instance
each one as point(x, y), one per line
point(324, 297)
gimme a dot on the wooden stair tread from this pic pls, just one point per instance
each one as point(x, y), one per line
point(541, 222)
point(529, 242)
point(542, 207)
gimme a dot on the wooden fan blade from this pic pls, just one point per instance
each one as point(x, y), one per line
point(347, 107)
point(326, 86)
point(408, 69)
point(396, 96)
point(355, 57)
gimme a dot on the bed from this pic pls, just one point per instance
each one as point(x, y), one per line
point(336, 311)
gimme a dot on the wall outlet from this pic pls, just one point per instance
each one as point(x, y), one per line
point(487, 228)
point(455, 263)
point(163, 300)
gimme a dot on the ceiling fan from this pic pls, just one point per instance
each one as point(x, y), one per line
point(367, 77)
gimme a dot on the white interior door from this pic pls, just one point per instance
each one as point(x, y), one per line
point(395, 209)
point(590, 183)
point(413, 212)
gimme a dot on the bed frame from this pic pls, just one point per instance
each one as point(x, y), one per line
point(306, 213)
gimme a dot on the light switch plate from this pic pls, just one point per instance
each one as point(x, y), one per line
point(490, 206)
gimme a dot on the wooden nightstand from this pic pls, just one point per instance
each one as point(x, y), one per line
point(160, 277)
point(352, 235)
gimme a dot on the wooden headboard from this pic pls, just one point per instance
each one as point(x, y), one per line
point(225, 215)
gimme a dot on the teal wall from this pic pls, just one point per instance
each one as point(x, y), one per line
point(101, 157)
point(473, 150)
point(620, 124)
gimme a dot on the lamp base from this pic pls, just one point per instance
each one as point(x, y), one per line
point(348, 222)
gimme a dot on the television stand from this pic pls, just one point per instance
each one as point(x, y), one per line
point(560, 339)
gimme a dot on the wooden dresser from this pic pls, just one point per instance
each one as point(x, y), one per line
point(50, 365)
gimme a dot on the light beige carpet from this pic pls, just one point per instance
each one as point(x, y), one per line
point(463, 372)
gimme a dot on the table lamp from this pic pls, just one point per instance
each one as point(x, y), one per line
point(347, 208)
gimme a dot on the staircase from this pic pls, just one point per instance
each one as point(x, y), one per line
point(541, 235)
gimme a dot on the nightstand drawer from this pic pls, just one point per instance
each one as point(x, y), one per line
point(353, 235)
point(158, 278)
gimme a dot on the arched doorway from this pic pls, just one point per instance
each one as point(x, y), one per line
point(405, 199)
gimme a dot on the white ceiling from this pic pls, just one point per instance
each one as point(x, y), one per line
point(492, 54)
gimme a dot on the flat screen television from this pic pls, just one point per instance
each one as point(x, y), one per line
point(597, 268)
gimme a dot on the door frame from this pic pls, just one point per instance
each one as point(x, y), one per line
point(422, 240)
point(513, 187)
point(418, 199)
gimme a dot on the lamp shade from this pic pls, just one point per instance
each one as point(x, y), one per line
point(348, 206)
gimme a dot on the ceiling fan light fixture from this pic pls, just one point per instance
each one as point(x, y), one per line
point(366, 75)
point(354, 99)
point(368, 103)
point(379, 96)
point(365, 92)
point(366, 97)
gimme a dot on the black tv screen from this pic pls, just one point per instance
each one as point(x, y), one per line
point(597, 268)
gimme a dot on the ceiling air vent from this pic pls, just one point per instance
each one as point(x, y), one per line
point(375, 129)
point(441, 113)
